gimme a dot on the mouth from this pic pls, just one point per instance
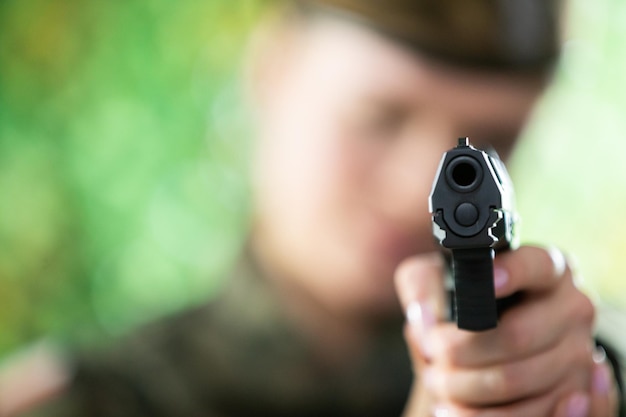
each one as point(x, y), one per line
point(396, 247)
point(391, 244)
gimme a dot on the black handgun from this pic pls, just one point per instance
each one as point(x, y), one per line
point(473, 217)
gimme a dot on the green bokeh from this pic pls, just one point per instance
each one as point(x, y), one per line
point(123, 144)
point(121, 152)
point(571, 172)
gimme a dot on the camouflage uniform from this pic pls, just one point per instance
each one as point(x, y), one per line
point(239, 355)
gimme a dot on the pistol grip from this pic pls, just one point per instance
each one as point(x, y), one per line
point(472, 301)
point(475, 299)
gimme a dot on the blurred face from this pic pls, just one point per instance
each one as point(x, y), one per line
point(352, 129)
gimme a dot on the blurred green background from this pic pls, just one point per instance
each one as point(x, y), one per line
point(123, 144)
point(570, 174)
point(121, 148)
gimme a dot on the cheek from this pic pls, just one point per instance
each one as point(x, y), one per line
point(316, 175)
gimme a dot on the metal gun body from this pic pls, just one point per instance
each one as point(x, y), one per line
point(472, 205)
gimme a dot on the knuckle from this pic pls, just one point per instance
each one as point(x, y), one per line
point(583, 352)
point(517, 337)
point(511, 382)
point(451, 353)
point(502, 381)
point(584, 310)
point(456, 349)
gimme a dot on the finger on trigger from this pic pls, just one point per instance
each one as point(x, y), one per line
point(531, 268)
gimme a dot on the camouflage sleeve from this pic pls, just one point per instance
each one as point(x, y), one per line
point(166, 369)
point(182, 365)
point(238, 355)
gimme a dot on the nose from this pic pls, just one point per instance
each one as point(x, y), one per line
point(405, 175)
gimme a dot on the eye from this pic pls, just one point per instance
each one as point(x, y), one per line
point(500, 141)
point(380, 122)
point(504, 144)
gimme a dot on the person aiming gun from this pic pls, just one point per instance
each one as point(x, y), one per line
point(355, 102)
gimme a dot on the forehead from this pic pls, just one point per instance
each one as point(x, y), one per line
point(355, 61)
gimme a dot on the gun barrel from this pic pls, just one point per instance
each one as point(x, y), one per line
point(464, 173)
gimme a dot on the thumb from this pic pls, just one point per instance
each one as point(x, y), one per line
point(420, 287)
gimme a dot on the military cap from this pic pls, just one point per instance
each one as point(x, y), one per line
point(496, 34)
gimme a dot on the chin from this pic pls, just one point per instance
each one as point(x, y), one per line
point(372, 285)
point(381, 258)
point(373, 269)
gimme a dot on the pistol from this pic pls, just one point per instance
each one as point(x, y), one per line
point(472, 207)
